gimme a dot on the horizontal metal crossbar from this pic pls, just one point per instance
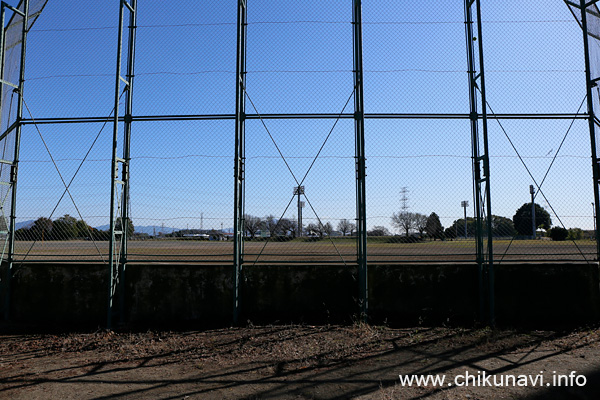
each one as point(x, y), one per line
point(9, 130)
point(200, 117)
point(13, 9)
point(8, 83)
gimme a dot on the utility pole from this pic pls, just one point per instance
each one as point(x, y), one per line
point(465, 204)
point(594, 214)
point(533, 226)
point(404, 199)
point(299, 190)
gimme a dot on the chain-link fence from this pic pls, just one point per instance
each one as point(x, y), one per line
point(300, 170)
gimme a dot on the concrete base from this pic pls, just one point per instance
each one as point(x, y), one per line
point(527, 295)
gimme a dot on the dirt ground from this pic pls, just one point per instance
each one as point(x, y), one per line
point(298, 362)
point(298, 251)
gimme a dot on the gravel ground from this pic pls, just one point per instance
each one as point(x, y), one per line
point(296, 362)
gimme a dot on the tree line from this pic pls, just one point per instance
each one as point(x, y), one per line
point(520, 225)
point(67, 228)
point(411, 224)
point(288, 228)
point(430, 226)
point(417, 225)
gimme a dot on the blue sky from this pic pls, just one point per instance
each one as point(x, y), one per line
point(300, 61)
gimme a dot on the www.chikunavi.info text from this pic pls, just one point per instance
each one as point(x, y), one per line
point(482, 378)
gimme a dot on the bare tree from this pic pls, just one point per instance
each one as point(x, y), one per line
point(327, 228)
point(420, 223)
point(404, 221)
point(313, 229)
point(252, 225)
point(288, 227)
point(272, 225)
point(319, 229)
point(346, 226)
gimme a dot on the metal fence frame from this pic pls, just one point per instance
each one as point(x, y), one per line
point(17, 126)
point(478, 117)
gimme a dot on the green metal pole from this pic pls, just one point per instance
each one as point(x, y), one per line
point(15, 164)
point(5, 280)
point(2, 45)
point(238, 213)
point(127, 158)
point(474, 117)
point(480, 157)
point(486, 176)
point(359, 128)
point(591, 121)
point(113, 274)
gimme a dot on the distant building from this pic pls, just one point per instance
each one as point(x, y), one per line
point(197, 235)
point(218, 236)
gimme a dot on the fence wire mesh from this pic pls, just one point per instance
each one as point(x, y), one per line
point(300, 170)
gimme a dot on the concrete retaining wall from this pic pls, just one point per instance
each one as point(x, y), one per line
point(532, 295)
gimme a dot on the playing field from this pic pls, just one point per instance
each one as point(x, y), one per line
point(337, 251)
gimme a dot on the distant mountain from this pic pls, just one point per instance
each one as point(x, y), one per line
point(155, 229)
point(152, 229)
point(149, 229)
point(24, 224)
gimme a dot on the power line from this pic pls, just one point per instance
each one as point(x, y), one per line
point(310, 158)
point(316, 71)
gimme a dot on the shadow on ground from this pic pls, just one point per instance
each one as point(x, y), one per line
point(297, 361)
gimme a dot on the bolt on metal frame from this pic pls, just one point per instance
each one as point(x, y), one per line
point(120, 212)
